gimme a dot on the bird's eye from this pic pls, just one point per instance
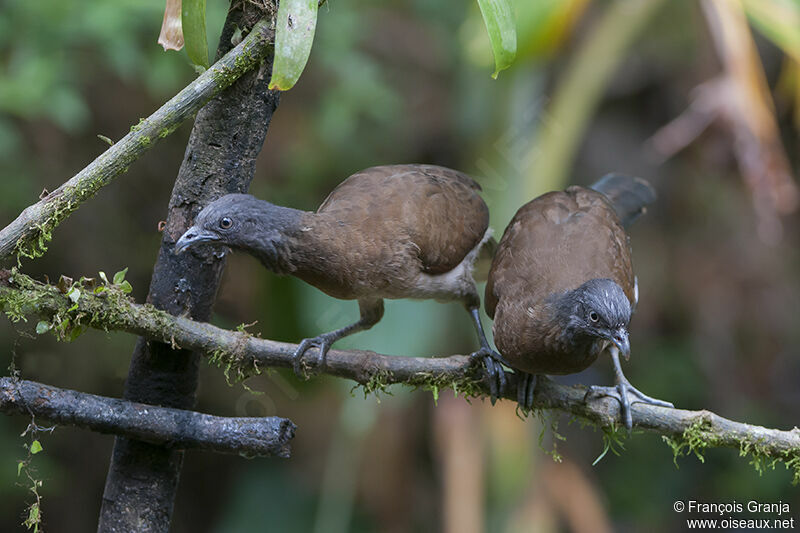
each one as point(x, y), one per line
point(225, 223)
point(594, 317)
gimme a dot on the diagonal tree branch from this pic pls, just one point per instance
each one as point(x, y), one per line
point(173, 428)
point(243, 354)
point(29, 233)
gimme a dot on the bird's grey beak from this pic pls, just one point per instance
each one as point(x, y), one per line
point(194, 235)
point(620, 339)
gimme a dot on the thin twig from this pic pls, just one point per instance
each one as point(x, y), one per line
point(174, 428)
point(29, 234)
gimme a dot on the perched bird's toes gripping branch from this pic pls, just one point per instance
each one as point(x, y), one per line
point(626, 394)
point(623, 392)
point(495, 375)
point(322, 343)
point(526, 388)
point(490, 362)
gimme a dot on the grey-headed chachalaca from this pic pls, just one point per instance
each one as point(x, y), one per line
point(561, 288)
point(397, 231)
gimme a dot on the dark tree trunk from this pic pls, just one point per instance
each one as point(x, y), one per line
point(220, 158)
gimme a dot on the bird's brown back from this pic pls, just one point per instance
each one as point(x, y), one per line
point(557, 242)
point(384, 225)
point(438, 209)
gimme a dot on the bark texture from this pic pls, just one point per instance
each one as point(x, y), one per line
point(220, 158)
point(172, 428)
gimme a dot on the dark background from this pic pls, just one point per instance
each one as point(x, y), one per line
point(409, 81)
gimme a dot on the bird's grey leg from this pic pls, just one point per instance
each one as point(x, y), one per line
point(491, 359)
point(371, 313)
point(623, 391)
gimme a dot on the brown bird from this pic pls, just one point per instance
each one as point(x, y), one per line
point(398, 231)
point(561, 288)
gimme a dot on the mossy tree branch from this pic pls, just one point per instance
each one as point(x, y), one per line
point(29, 233)
point(242, 355)
point(174, 428)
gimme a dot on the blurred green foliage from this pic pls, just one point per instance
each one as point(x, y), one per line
point(44, 62)
point(779, 20)
point(55, 56)
point(406, 81)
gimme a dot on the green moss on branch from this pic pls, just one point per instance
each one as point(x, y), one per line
point(701, 435)
point(107, 306)
point(72, 306)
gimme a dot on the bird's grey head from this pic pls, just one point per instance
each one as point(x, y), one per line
point(244, 222)
point(596, 313)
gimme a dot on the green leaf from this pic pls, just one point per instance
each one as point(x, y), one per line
point(119, 277)
point(193, 21)
point(778, 20)
point(294, 34)
point(74, 294)
point(499, 19)
point(36, 447)
point(42, 327)
point(125, 287)
point(103, 277)
point(33, 518)
point(75, 332)
point(105, 139)
point(20, 466)
point(600, 457)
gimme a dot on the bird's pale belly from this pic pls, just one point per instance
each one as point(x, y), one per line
point(396, 275)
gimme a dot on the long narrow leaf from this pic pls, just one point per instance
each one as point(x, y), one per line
point(193, 20)
point(294, 34)
point(499, 19)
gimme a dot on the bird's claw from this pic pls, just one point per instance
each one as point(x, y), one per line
point(626, 394)
point(526, 386)
point(495, 374)
point(322, 342)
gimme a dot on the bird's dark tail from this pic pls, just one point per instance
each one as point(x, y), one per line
point(629, 196)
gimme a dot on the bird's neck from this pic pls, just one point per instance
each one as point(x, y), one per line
point(316, 249)
point(271, 238)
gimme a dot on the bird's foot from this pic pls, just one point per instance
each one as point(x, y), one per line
point(526, 386)
point(495, 375)
point(322, 342)
point(626, 394)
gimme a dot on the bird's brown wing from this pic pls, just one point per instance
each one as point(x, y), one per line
point(437, 209)
point(557, 242)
